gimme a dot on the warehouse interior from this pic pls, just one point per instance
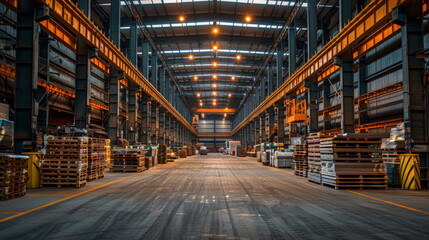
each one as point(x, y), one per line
point(214, 119)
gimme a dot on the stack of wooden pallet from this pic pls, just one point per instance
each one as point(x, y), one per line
point(96, 158)
point(13, 176)
point(162, 154)
point(128, 162)
point(183, 153)
point(300, 160)
point(353, 161)
point(65, 163)
point(313, 153)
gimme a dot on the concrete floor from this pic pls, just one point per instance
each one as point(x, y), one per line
point(214, 197)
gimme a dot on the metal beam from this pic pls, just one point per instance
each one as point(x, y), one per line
point(292, 50)
point(212, 110)
point(202, 17)
point(145, 58)
point(209, 38)
point(345, 12)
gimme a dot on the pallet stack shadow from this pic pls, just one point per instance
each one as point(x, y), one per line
point(313, 156)
point(353, 161)
point(300, 160)
point(162, 154)
point(13, 176)
point(129, 160)
point(65, 163)
point(96, 158)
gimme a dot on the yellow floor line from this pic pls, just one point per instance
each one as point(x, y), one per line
point(286, 171)
point(388, 202)
point(423, 201)
point(66, 198)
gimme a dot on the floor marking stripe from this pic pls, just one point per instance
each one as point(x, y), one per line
point(388, 202)
point(67, 198)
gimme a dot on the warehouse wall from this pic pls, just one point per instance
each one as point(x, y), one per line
point(214, 126)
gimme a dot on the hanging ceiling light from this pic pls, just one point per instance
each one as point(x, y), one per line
point(214, 93)
point(233, 78)
point(181, 18)
point(215, 30)
point(248, 19)
point(201, 104)
point(195, 78)
point(198, 94)
point(214, 64)
point(224, 115)
point(214, 76)
point(214, 103)
point(191, 57)
point(229, 95)
point(215, 48)
point(214, 85)
point(238, 57)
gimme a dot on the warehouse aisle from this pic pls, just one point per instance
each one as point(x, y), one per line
point(219, 197)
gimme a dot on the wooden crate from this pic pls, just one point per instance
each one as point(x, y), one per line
point(128, 162)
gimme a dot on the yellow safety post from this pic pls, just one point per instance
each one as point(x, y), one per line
point(108, 153)
point(33, 168)
point(410, 172)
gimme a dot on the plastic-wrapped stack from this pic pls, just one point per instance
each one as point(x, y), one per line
point(13, 176)
point(65, 162)
point(353, 161)
point(96, 158)
point(313, 153)
point(300, 160)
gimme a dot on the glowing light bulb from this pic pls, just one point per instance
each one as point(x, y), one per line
point(229, 95)
point(248, 19)
point(214, 85)
point(215, 48)
point(238, 57)
point(181, 18)
point(214, 76)
point(215, 30)
point(214, 103)
point(195, 78)
point(198, 94)
point(214, 64)
point(214, 93)
point(201, 104)
point(191, 57)
point(233, 78)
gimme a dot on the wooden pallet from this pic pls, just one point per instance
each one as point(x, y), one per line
point(13, 176)
point(366, 181)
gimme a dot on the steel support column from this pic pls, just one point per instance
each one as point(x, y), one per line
point(162, 79)
point(345, 12)
point(280, 119)
point(27, 42)
point(114, 86)
point(145, 58)
point(154, 69)
point(133, 89)
point(279, 63)
point(83, 85)
point(347, 94)
point(313, 123)
point(292, 50)
point(311, 27)
point(270, 79)
point(326, 103)
point(415, 91)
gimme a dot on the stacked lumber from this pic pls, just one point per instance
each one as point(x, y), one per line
point(313, 156)
point(300, 160)
point(96, 158)
point(125, 161)
point(13, 176)
point(353, 161)
point(65, 162)
point(162, 154)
